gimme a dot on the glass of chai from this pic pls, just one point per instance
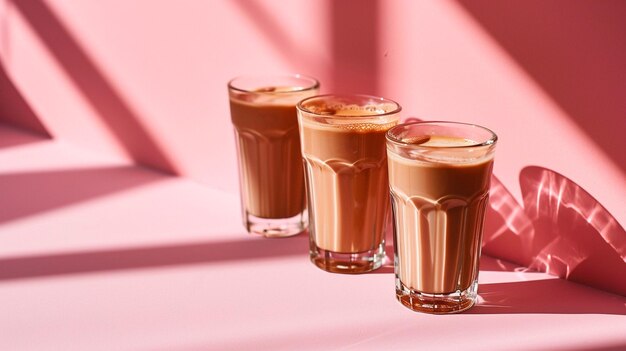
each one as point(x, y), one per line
point(439, 175)
point(263, 112)
point(343, 145)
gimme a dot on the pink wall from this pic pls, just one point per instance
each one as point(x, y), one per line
point(549, 79)
point(145, 80)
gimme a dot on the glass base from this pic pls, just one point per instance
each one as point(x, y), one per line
point(455, 302)
point(276, 227)
point(351, 263)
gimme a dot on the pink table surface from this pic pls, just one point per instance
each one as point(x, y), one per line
point(97, 254)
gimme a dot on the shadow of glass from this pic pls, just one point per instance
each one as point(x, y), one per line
point(546, 296)
point(29, 193)
point(110, 106)
point(151, 257)
point(574, 236)
point(575, 52)
point(15, 111)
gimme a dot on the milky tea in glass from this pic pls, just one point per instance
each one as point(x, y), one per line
point(343, 145)
point(439, 174)
point(263, 113)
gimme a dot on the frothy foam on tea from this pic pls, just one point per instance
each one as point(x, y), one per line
point(271, 95)
point(279, 89)
point(346, 110)
point(340, 110)
point(364, 127)
point(438, 141)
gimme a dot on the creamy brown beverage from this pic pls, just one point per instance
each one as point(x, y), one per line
point(343, 145)
point(270, 163)
point(269, 145)
point(439, 187)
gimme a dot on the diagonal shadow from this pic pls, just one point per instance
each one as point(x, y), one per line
point(28, 193)
point(14, 110)
point(354, 38)
point(546, 296)
point(575, 51)
point(149, 257)
point(110, 106)
point(10, 136)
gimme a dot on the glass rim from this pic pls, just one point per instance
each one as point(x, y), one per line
point(315, 84)
point(396, 110)
point(491, 141)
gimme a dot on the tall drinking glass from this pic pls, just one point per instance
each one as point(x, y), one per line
point(439, 174)
point(263, 113)
point(343, 145)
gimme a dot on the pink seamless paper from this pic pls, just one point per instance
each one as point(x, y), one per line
point(97, 252)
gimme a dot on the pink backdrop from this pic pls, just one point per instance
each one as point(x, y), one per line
point(145, 81)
